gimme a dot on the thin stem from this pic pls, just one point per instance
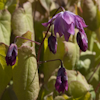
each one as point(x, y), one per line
point(97, 87)
point(94, 72)
point(26, 39)
point(58, 9)
point(39, 51)
point(40, 62)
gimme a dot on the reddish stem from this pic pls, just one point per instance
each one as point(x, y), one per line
point(39, 51)
point(97, 87)
point(94, 72)
point(26, 39)
point(40, 62)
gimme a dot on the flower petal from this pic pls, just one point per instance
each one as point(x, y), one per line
point(68, 17)
point(79, 22)
point(82, 41)
point(67, 35)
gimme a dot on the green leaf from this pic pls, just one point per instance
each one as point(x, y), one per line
point(71, 54)
point(22, 20)
point(12, 5)
point(49, 97)
point(25, 76)
point(86, 96)
point(5, 71)
point(5, 26)
point(90, 14)
point(25, 73)
point(86, 62)
point(77, 76)
point(27, 35)
point(49, 67)
point(59, 98)
point(38, 7)
point(46, 4)
point(77, 89)
point(2, 4)
point(9, 94)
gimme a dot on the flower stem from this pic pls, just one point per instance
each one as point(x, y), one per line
point(97, 87)
point(93, 72)
point(58, 9)
point(39, 51)
point(26, 39)
point(40, 62)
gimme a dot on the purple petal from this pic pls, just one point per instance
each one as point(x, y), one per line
point(66, 85)
point(62, 80)
point(71, 29)
point(11, 54)
point(82, 41)
point(79, 22)
point(58, 26)
point(52, 43)
point(67, 35)
point(68, 17)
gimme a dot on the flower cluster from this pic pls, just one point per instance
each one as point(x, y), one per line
point(65, 23)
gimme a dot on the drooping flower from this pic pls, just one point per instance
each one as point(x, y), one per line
point(82, 41)
point(65, 23)
point(62, 80)
point(11, 54)
point(52, 43)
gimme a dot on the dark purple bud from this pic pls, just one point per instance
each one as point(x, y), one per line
point(11, 54)
point(82, 41)
point(62, 80)
point(52, 43)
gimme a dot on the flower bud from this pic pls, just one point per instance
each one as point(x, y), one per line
point(62, 80)
point(82, 41)
point(52, 43)
point(11, 54)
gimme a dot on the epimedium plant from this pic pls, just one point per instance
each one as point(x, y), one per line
point(53, 72)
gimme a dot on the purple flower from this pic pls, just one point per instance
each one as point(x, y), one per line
point(65, 22)
point(82, 41)
point(62, 80)
point(11, 54)
point(52, 43)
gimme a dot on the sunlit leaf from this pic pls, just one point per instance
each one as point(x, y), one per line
point(77, 89)
point(27, 35)
point(22, 20)
point(5, 71)
point(25, 73)
point(86, 62)
point(2, 4)
point(59, 98)
point(5, 26)
point(25, 76)
point(71, 55)
point(90, 14)
point(77, 76)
